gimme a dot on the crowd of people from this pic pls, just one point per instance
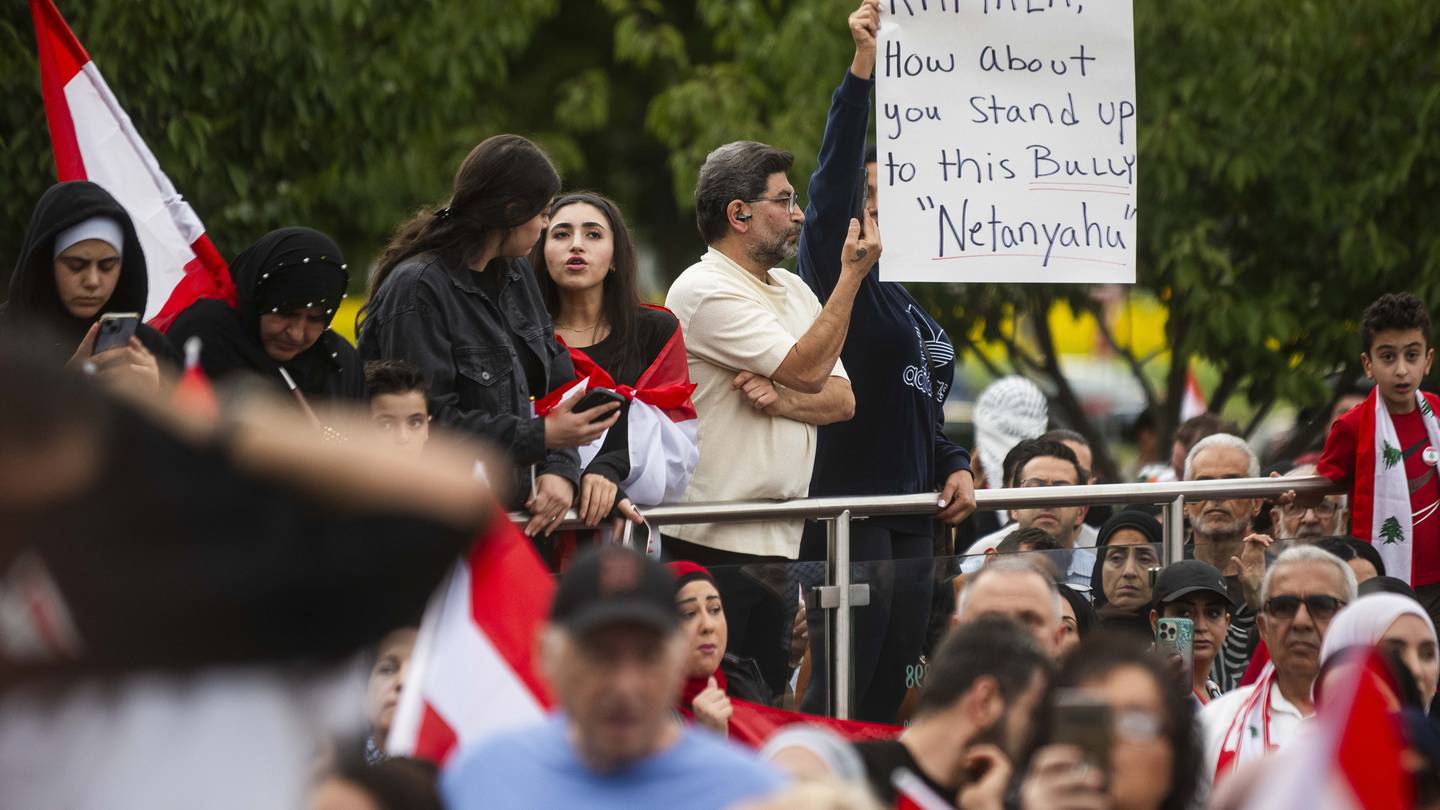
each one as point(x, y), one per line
point(1065, 665)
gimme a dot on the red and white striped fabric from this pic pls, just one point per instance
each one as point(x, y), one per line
point(664, 430)
point(1347, 758)
point(1193, 403)
point(93, 139)
point(472, 673)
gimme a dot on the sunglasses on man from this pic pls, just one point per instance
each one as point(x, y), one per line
point(1321, 607)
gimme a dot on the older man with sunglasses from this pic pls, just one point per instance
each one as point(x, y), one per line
point(1301, 593)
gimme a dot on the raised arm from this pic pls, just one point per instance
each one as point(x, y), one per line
point(812, 359)
point(836, 188)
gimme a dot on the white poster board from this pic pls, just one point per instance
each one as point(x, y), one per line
point(1005, 134)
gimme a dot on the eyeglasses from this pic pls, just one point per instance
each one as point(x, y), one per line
point(790, 201)
point(1324, 510)
point(1137, 725)
point(1321, 607)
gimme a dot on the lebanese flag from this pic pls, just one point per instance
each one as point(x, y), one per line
point(93, 139)
point(473, 672)
point(1348, 758)
point(1193, 402)
point(663, 427)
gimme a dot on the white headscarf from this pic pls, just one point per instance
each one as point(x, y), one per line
point(1010, 410)
point(104, 228)
point(1363, 623)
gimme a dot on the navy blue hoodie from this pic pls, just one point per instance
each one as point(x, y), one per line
point(899, 359)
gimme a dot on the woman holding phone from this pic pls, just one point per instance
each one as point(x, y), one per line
point(81, 260)
point(453, 294)
point(585, 267)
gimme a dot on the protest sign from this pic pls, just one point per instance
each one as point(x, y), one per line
point(1006, 141)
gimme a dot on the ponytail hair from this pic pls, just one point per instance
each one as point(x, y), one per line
point(504, 182)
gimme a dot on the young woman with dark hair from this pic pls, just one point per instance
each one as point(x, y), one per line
point(453, 294)
point(586, 270)
point(79, 260)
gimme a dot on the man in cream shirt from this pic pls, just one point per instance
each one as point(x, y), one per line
point(765, 358)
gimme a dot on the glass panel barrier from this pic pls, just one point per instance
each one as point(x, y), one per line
point(778, 654)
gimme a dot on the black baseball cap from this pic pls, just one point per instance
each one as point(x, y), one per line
point(615, 585)
point(1189, 576)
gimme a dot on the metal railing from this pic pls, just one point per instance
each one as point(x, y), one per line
point(838, 512)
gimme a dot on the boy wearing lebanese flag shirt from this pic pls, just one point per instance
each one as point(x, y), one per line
point(1386, 448)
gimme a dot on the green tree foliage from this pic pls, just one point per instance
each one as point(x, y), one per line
point(1287, 169)
point(1391, 532)
point(343, 114)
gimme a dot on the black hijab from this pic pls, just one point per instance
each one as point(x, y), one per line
point(1139, 619)
point(33, 314)
point(287, 269)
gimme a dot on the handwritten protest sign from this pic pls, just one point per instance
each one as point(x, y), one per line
point(1005, 135)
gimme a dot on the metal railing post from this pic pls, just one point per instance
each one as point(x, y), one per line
point(1175, 530)
point(841, 671)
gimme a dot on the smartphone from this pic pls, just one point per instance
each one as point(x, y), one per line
point(116, 329)
point(1085, 723)
point(596, 397)
point(1177, 637)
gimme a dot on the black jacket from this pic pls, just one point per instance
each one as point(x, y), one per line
point(33, 314)
point(475, 350)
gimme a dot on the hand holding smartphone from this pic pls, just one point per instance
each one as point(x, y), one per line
point(596, 397)
point(116, 329)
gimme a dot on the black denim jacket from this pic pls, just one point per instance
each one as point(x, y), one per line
point(443, 322)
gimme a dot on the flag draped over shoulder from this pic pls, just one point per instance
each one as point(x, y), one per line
point(663, 427)
point(1380, 507)
point(93, 139)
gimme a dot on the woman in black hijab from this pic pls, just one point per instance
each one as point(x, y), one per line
point(1127, 548)
point(80, 260)
point(288, 286)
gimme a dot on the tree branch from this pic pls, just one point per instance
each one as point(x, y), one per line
point(1137, 367)
point(1103, 465)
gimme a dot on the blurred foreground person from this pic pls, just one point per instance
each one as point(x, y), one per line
point(614, 656)
point(973, 716)
point(1145, 721)
point(80, 260)
point(288, 285)
point(1394, 623)
point(174, 595)
point(396, 784)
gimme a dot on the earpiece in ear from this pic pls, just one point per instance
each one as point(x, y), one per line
point(742, 217)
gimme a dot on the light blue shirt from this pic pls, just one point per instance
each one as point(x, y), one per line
point(539, 768)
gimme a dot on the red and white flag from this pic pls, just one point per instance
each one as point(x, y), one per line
point(1347, 758)
point(663, 427)
point(472, 673)
point(93, 139)
point(1193, 402)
